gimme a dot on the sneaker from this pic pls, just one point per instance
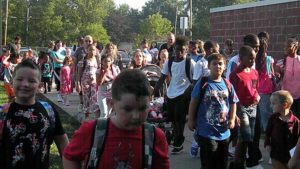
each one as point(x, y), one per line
point(58, 97)
point(194, 149)
point(193, 152)
point(177, 150)
point(270, 161)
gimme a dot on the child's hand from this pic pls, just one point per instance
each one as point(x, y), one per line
point(257, 99)
point(237, 121)
point(231, 124)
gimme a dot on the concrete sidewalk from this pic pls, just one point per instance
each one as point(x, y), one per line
point(179, 161)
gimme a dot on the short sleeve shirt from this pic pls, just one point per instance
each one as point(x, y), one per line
point(27, 136)
point(179, 81)
point(213, 112)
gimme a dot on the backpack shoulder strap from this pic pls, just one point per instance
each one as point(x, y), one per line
point(50, 112)
point(97, 145)
point(228, 85)
point(203, 85)
point(148, 145)
point(170, 62)
point(187, 68)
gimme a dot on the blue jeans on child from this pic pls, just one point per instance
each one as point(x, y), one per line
point(247, 115)
point(264, 106)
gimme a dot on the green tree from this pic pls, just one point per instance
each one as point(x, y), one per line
point(121, 24)
point(169, 9)
point(154, 27)
point(58, 19)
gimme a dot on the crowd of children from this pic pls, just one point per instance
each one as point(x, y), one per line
point(220, 93)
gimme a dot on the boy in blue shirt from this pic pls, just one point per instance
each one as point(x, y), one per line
point(213, 115)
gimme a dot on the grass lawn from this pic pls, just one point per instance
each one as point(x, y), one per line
point(69, 124)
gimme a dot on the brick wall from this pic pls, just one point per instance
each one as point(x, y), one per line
point(280, 18)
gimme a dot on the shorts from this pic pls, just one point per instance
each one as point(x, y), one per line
point(247, 115)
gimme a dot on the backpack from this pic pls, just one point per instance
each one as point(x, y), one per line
point(204, 83)
point(4, 110)
point(98, 144)
point(187, 67)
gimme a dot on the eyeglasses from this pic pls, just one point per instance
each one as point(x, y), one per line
point(88, 41)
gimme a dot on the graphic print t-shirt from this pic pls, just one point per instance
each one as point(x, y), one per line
point(213, 112)
point(28, 134)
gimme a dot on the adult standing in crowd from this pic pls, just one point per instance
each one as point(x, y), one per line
point(58, 55)
point(15, 46)
point(169, 45)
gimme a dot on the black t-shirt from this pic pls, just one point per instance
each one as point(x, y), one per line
point(27, 136)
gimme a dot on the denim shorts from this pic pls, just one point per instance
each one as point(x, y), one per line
point(247, 117)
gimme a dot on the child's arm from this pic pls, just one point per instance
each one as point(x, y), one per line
point(61, 142)
point(5, 61)
point(192, 113)
point(159, 83)
point(101, 76)
point(68, 164)
point(232, 116)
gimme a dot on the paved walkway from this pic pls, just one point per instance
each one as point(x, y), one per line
point(180, 161)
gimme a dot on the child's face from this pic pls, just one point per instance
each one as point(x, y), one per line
point(193, 48)
point(290, 48)
point(248, 61)
point(131, 112)
point(25, 84)
point(92, 50)
point(107, 62)
point(217, 67)
point(181, 51)
point(163, 57)
point(276, 106)
point(138, 58)
point(110, 50)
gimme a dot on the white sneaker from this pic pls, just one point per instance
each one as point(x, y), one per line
point(270, 161)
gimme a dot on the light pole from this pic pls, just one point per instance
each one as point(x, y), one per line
point(5, 23)
point(191, 19)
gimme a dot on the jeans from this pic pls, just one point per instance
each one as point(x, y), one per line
point(265, 109)
point(247, 117)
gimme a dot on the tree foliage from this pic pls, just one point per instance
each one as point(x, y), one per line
point(154, 27)
point(58, 19)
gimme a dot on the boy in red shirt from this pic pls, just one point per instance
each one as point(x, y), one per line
point(123, 144)
point(245, 81)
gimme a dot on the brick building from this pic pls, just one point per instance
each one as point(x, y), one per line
point(280, 18)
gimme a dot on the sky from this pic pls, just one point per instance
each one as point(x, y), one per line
point(136, 4)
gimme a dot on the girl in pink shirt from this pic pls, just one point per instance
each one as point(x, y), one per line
point(291, 70)
point(264, 67)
